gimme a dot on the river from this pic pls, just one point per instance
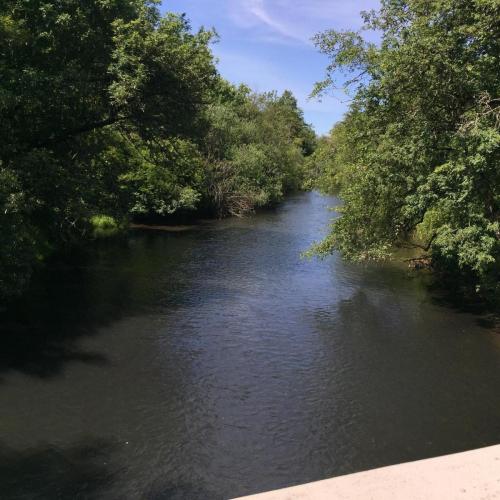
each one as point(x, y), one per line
point(215, 362)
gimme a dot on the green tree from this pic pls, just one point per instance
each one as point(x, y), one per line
point(111, 111)
point(94, 99)
point(423, 135)
point(255, 149)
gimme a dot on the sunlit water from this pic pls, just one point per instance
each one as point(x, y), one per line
point(216, 362)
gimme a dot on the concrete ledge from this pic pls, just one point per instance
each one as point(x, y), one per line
point(465, 476)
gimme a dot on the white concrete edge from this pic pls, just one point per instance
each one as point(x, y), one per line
point(471, 475)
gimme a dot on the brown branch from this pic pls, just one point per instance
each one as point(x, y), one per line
point(425, 248)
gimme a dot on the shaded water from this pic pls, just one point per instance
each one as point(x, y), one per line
point(215, 362)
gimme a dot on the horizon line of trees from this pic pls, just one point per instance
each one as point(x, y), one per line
point(110, 111)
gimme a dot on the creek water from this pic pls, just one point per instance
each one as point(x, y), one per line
point(216, 362)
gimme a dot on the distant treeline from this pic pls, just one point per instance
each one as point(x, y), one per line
point(417, 157)
point(110, 111)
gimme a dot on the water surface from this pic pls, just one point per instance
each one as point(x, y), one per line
point(215, 362)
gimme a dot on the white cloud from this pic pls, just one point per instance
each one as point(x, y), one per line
point(258, 10)
point(256, 15)
point(266, 44)
point(296, 21)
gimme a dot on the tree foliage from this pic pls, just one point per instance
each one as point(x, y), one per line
point(110, 111)
point(255, 149)
point(418, 152)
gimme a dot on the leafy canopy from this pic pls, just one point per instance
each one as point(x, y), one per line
point(417, 154)
point(110, 111)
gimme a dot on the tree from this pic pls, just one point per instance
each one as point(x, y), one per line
point(255, 148)
point(110, 111)
point(93, 97)
point(423, 131)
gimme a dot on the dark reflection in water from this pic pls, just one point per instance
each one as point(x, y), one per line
point(215, 362)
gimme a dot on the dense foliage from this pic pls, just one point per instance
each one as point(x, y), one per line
point(417, 155)
point(109, 110)
point(254, 149)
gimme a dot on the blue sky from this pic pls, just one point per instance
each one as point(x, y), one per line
point(266, 44)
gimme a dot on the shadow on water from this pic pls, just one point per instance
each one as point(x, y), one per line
point(48, 473)
point(41, 333)
point(74, 298)
point(78, 295)
point(40, 345)
point(86, 470)
point(438, 291)
point(486, 312)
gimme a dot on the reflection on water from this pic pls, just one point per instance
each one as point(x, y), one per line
point(216, 362)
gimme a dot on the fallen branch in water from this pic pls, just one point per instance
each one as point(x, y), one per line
point(423, 262)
